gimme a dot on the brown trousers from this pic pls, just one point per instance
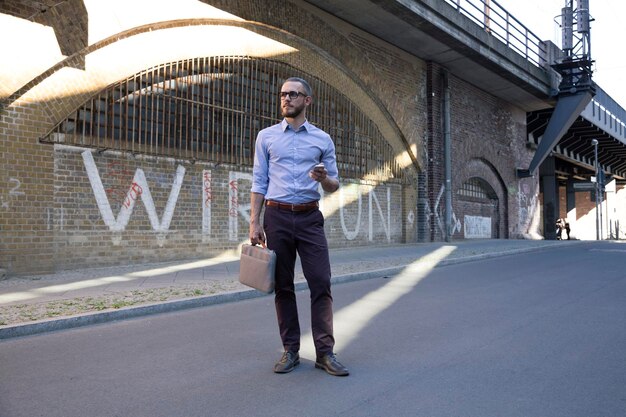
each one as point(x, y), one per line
point(288, 233)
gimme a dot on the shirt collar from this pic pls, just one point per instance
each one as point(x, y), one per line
point(284, 125)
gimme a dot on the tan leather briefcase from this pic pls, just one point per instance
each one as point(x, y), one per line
point(256, 268)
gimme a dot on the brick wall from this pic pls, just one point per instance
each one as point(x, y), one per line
point(28, 187)
point(486, 135)
point(101, 215)
point(53, 216)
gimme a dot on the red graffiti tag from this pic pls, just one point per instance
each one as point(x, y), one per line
point(207, 189)
point(117, 173)
point(234, 201)
point(133, 194)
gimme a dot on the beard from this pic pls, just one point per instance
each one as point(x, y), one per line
point(292, 111)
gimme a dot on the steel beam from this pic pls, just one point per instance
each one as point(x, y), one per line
point(567, 109)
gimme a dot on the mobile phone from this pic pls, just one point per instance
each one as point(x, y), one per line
point(320, 165)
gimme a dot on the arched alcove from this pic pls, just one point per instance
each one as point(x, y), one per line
point(481, 195)
point(211, 108)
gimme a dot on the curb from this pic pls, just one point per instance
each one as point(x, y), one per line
point(88, 319)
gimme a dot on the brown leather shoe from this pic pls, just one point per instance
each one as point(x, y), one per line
point(287, 363)
point(330, 364)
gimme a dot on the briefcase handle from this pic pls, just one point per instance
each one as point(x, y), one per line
point(263, 245)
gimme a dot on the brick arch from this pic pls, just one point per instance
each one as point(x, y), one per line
point(488, 173)
point(309, 57)
point(179, 109)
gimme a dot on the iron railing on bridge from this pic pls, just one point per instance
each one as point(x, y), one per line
point(495, 20)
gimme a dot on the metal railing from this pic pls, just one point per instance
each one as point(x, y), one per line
point(211, 109)
point(496, 21)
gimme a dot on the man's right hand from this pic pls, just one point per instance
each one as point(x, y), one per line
point(257, 235)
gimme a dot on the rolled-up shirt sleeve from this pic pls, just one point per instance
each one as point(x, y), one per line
point(260, 177)
point(330, 160)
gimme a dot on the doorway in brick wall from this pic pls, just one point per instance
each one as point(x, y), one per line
point(479, 210)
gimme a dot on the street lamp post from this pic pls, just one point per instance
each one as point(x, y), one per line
point(594, 142)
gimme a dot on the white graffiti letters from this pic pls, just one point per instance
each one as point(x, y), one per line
point(379, 211)
point(350, 235)
point(477, 227)
point(455, 225)
point(352, 193)
point(387, 225)
point(138, 189)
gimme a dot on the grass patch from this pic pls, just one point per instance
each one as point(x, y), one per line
point(98, 305)
point(122, 303)
point(24, 313)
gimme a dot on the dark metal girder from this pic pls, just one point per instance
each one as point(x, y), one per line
point(621, 167)
point(538, 120)
point(567, 110)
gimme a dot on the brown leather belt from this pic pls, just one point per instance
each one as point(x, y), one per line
point(293, 207)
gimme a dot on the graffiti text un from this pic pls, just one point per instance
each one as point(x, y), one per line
point(352, 192)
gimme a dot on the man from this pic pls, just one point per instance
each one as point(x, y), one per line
point(287, 172)
point(559, 228)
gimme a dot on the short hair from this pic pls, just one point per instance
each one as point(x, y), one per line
point(307, 88)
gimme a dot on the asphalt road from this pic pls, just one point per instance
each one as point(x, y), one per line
point(534, 334)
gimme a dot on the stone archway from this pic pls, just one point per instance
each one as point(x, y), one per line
point(482, 195)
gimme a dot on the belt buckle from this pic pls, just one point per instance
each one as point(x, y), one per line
point(293, 207)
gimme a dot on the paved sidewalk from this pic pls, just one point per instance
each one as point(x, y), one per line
point(34, 304)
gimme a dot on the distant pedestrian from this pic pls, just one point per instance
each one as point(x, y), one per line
point(559, 228)
point(291, 160)
point(567, 229)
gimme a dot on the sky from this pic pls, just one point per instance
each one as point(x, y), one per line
point(608, 32)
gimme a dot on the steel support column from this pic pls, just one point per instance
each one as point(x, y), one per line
point(550, 189)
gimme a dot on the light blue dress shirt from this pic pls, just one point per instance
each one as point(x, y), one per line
point(283, 158)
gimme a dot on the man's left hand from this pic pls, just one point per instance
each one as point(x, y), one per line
point(318, 174)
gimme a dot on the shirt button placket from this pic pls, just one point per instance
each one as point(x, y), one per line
point(294, 169)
